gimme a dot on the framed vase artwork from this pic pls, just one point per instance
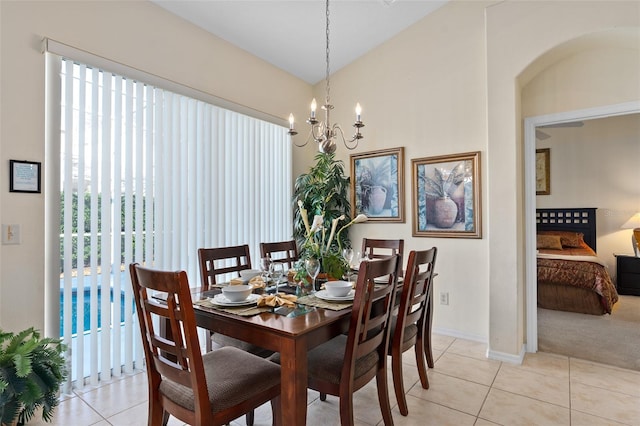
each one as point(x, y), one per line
point(446, 196)
point(377, 185)
point(543, 175)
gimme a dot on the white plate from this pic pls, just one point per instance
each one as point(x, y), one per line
point(385, 279)
point(324, 295)
point(220, 300)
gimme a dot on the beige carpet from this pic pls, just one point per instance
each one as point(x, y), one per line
point(609, 339)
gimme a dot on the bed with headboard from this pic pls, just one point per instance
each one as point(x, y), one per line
point(571, 277)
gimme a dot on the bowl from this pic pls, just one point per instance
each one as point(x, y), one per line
point(338, 288)
point(237, 293)
point(247, 274)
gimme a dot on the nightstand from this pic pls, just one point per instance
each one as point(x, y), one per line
point(628, 281)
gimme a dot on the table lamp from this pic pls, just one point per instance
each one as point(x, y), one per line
point(634, 223)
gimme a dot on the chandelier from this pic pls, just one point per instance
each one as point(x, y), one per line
point(323, 132)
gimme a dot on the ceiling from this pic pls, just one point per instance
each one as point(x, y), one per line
point(291, 34)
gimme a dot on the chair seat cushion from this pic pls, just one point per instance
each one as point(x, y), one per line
point(232, 375)
point(220, 340)
point(326, 361)
point(410, 331)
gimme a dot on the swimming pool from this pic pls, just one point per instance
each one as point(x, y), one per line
point(85, 322)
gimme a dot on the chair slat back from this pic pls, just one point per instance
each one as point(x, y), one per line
point(282, 251)
point(416, 289)
point(175, 354)
point(379, 249)
point(370, 315)
point(222, 260)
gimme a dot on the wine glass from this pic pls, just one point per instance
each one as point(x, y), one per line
point(313, 268)
point(347, 255)
point(277, 271)
point(265, 267)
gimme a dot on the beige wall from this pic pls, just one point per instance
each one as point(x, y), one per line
point(448, 84)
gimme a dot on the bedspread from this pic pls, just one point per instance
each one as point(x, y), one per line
point(579, 273)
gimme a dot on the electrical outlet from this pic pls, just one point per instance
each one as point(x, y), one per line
point(444, 298)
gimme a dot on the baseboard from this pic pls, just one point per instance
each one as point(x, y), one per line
point(506, 357)
point(459, 335)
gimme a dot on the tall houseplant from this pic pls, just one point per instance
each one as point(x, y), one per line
point(323, 193)
point(31, 372)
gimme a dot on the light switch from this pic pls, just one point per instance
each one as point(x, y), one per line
point(10, 234)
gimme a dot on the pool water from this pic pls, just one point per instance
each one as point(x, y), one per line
point(85, 322)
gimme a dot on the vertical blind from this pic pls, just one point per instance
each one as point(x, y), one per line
point(150, 176)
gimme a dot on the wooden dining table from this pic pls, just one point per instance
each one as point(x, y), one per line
point(293, 336)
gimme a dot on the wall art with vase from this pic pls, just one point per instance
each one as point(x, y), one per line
point(377, 185)
point(446, 196)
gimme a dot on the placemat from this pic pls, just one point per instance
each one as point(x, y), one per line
point(311, 300)
point(244, 311)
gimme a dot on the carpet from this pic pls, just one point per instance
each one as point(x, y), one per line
point(608, 339)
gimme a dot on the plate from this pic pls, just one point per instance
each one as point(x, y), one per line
point(324, 295)
point(385, 279)
point(220, 300)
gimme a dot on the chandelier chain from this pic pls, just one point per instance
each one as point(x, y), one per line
point(327, 54)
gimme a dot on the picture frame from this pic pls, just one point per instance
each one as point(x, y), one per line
point(24, 176)
point(377, 185)
point(446, 196)
point(543, 171)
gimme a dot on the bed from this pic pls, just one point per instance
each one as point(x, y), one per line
point(570, 275)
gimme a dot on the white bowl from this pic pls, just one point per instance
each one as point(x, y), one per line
point(247, 274)
point(338, 288)
point(237, 293)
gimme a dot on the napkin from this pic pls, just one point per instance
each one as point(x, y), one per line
point(257, 282)
point(237, 281)
point(279, 299)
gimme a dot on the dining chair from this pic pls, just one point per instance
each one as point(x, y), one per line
point(222, 261)
point(348, 362)
point(217, 261)
point(214, 388)
point(378, 249)
point(411, 327)
point(282, 251)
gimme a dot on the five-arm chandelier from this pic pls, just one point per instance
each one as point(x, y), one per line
point(323, 132)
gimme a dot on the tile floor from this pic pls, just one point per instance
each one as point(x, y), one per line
point(466, 388)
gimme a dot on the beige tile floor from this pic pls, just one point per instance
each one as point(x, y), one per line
point(466, 388)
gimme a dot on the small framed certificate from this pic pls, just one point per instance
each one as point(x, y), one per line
point(24, 176)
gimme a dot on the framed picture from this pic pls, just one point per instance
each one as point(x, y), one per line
point(377, 185)
point(446, 196)
point(24, 176)
point(543, 180)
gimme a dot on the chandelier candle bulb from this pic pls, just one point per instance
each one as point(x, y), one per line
point(358, 111)
point(314, 105)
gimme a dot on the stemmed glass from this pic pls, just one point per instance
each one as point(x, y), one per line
point(277, 271)
point(265, 267)
point(347, 254)
point(313, 268)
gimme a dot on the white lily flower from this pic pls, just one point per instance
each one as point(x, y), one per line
point(317, 223)
point(334, 225)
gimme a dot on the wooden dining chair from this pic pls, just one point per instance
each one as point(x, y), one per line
point(222, 261)
point(412, 325)
point(217, 261)
point(346, 363)
point(378, 249)
point(282, 251)
point(197, 389)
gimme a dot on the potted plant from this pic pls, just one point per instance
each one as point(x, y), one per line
point(321, 197)
point(31, 372)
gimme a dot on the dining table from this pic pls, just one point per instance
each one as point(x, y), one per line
point(290, 331)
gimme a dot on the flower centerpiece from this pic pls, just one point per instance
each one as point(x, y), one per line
point(322, 245)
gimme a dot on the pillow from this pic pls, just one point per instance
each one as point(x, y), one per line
point(548, 242)
point(567, 238)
